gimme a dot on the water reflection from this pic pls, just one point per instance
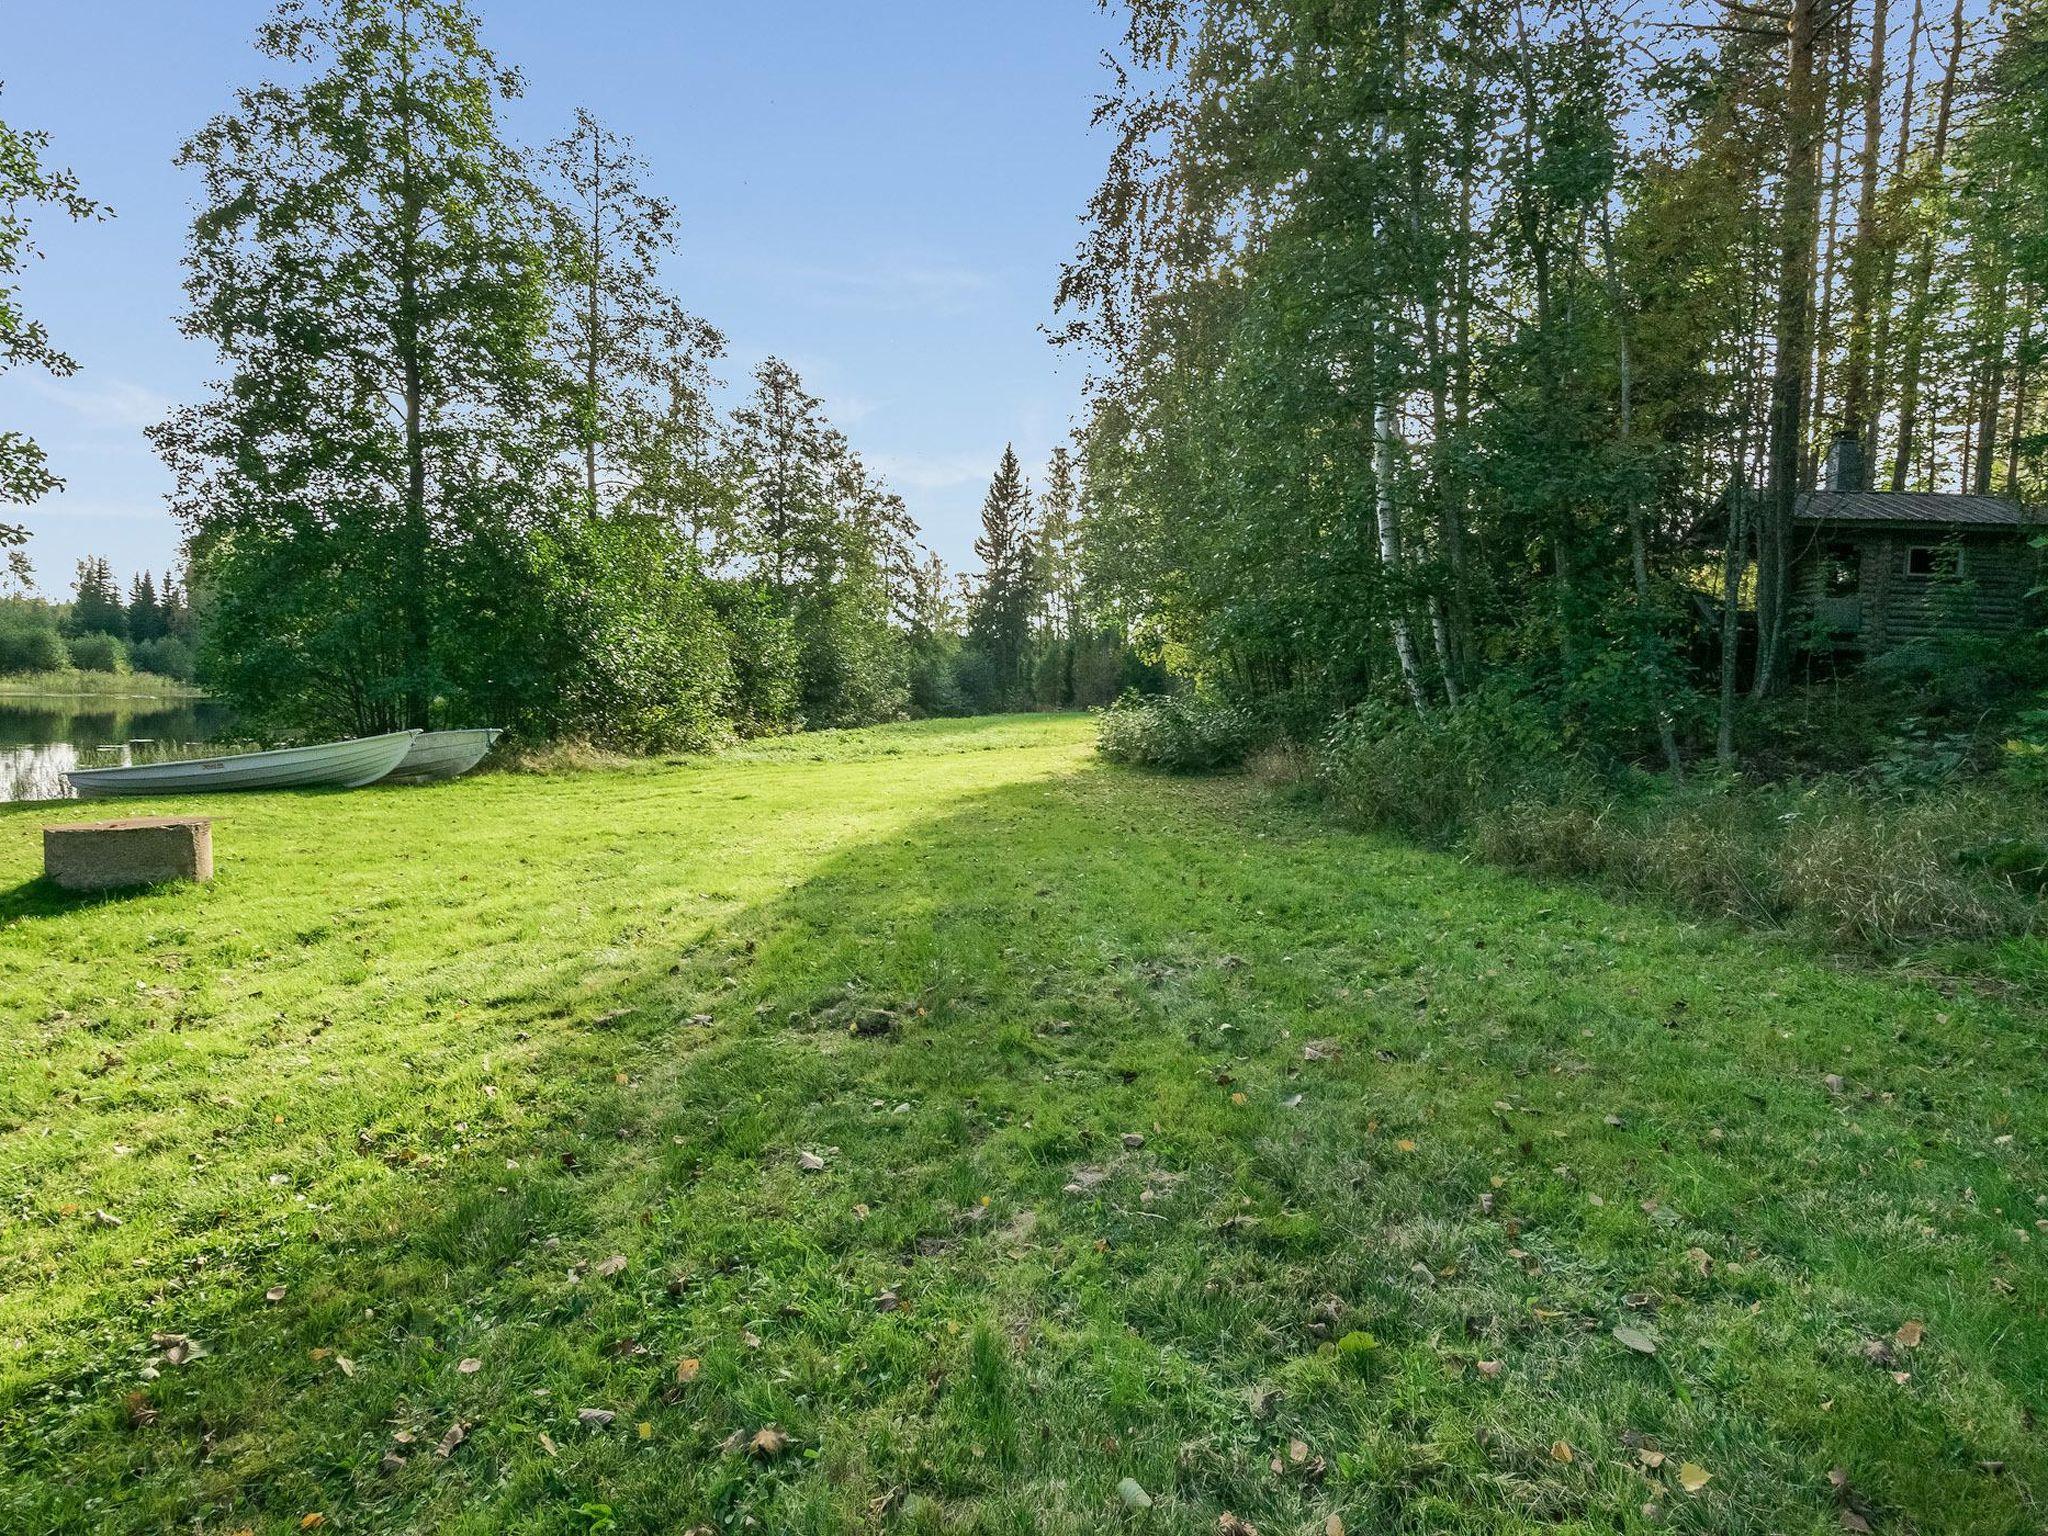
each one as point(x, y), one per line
point(40, 738)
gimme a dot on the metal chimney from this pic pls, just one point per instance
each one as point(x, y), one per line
point(1845, 462)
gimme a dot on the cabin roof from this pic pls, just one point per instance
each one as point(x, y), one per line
point(1924, 507)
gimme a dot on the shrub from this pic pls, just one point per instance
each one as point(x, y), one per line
point(167, 656)
point(98, 653)
point(767, 694)
point(1385, 766)
point(1179, 733)
point(33, 648)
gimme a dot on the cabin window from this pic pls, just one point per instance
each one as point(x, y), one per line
point(1841, 570)
point(1933, 560)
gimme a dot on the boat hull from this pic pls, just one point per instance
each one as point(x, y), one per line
point(442, 755)
point(328, 765)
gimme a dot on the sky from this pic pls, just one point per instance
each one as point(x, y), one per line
point(879, 192)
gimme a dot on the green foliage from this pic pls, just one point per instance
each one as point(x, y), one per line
point(766, 657)
point(96, 606)
point(98, 653)
point(1434, 777)
point(1179, 732)
point(1000, 612)
point(31, 643)
point(370, 262)
point(166, 656)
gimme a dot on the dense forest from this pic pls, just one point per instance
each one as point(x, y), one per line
point(1450, 349)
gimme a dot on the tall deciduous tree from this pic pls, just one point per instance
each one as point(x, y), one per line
point(370, 263)
point(636, 356)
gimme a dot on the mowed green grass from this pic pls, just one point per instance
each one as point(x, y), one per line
point(487, 1104)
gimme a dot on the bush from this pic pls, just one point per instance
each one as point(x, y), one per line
point(166, 657)
point(767, 694)
point(98, 653)
point(1435, 779)
point(1179, 733)
point(1841, 858)
point(33, 648)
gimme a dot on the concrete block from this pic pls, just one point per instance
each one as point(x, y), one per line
point(141, 850)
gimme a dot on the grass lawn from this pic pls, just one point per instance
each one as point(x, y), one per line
point(930, 1129)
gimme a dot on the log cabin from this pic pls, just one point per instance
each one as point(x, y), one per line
point(1872, 570)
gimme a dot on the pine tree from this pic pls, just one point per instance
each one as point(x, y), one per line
point(999, 618)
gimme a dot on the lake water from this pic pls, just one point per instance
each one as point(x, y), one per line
point(42, 737)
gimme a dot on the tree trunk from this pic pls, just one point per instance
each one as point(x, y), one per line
point(1888, 251)
point(1923, 270)
point(1864, 258)
point(410, 346)
point(2021, 372)
point(1385, 437)
point(594, 320)
point(1638, 537)
point(1794, 339)
point(1994, 386)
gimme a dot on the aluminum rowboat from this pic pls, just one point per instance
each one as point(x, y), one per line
point(331, 764)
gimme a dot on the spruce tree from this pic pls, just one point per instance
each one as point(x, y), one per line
point(999, 618)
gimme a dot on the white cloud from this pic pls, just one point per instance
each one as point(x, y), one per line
point(889, 285)
point(111, 403)
point(933, 471)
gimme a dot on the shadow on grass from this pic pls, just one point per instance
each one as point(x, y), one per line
point(1312, 1038)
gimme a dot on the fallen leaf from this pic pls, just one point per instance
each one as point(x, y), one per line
point(644, 1429)
point(457, 1433)
point(595, 1418)
point(1692, 1477)
point(769, 1441)
point(606, 1268)
point(688, 1367)
point(312, 1521)
point(1133, 1141)
point(346, 1366)
point(1635, 1338)
point(1405, 1144)
point(1833, 1082)
point(1650, 1458)
point(810, 1162)
point(1561, 1450)
point(1851, 1521)
point(547, 1444)
point(1133, 1494)
point(1490, 1369)
point(470, 1366)
point(1228, 1524)
point(275, 1293)
point(1910, 1334)
point(1333, 1527)
point(888, 1301)
point(750, 1338)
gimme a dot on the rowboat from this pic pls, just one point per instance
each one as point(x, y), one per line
point(442, 755)
point(331, 764)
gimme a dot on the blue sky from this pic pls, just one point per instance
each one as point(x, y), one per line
point(881, 193)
